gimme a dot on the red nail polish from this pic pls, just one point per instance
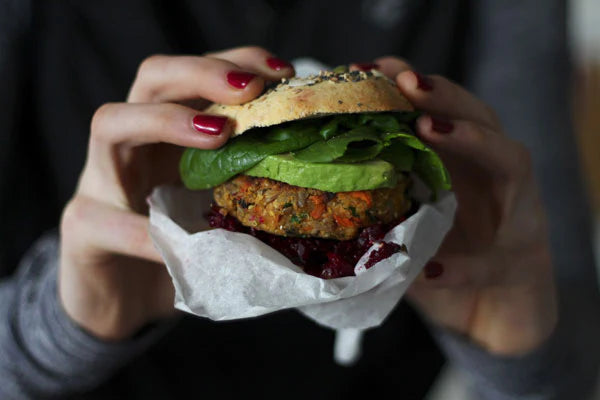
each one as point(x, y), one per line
point(366, 66)
point(433, 269)
point(209, 124)
point(278, 64)
point(424, 82)
point(239, 79)
point(441, 125)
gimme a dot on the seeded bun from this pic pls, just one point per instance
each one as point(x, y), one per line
point(317, 95)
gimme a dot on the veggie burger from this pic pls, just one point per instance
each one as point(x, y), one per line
point(318, 168)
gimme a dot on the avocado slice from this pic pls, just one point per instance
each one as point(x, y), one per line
point(329, 177)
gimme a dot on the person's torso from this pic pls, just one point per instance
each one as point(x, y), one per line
point(87, 53)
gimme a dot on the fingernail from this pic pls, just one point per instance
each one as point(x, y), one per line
point(441, 125)
point(209, 124)
point(278, 64)
point(424, 82)
point(433, 270)
point(239, 79)
point(366, 66)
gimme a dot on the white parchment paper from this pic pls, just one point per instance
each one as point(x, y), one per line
point(226, 275)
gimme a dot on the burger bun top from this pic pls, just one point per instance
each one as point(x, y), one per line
point(317, 95)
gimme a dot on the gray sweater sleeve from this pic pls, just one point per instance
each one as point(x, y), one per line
point(516, 60)
point(42, 352)
point(551, 372)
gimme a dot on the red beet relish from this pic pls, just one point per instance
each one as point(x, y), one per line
point(323, 258)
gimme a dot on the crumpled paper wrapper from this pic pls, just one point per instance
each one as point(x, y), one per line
point(225, 275)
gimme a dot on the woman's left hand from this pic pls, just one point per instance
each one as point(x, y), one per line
point(492, 278)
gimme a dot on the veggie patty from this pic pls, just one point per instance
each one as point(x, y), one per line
point(287, 210)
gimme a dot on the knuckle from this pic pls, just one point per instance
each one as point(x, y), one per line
point(492, 117)
point(440, 78)
point(240, 52)
point(72, 216)
point(165, 116)
point(397, 59)
point(473, 133)
point(171, 111)
point(255, 49)
point(455, 91)
point(103, 114)
point(150, 67)
point(252, 52)
point(398, 62)
point(149, 64)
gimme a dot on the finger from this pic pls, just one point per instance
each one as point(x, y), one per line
point(257, 60)
point(452, 270)
point(486, 170)
point(439, 96)
point(363, 66)
point(168, 78)
point(447, 306)
point(136, 124)
point(392, 66)
point(109, 229)
point(444, 290)
point(117, 128)
point(469, 142)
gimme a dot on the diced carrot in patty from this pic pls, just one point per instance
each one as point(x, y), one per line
point(343, 221)
point(319, 208)
point(364, 196)
point(318, 211)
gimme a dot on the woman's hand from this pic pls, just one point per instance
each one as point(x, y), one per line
point(112, 281)
point(492, 277)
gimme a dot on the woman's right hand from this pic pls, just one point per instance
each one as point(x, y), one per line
point(111, 280)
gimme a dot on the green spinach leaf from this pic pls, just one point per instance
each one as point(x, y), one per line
point(203, 169)
point(339, 146)
point(346, 138)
